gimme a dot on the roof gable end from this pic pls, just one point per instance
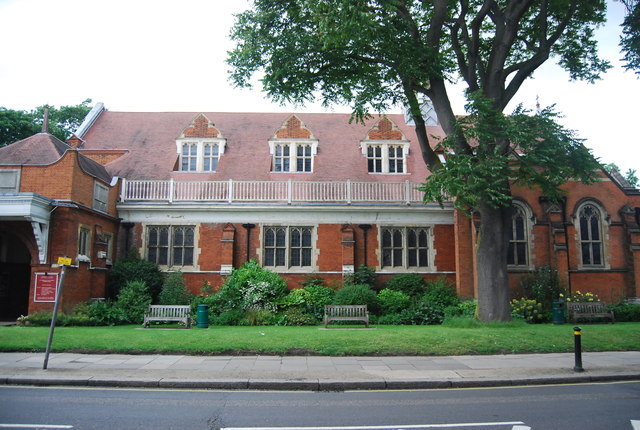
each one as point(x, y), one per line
point(201, 126)
point(293, 128)
point(385, 129)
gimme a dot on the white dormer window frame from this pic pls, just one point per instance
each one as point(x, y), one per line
point(194, 157)
point(382, 156)
point(292, 155)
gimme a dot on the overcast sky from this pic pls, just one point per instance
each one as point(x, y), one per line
point(151, 55)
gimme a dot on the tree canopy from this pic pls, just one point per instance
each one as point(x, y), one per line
point(630, 38)
point(18, 124)
point(374, 54)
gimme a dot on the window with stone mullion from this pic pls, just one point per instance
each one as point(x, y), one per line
point(210, 157)
point(189, 159)
point(171, 245)
point(590, 236)
point(518, 242)
point(396, 159)
point(303, 158)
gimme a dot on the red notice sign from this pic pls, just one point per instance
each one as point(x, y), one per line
point(46, 287)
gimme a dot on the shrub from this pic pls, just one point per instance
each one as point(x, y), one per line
point(134, 300)
point(316, 297)
point(411, 284)
point(626, 312)
point(250, 287)
point(174, 291)
point(133, 268)
point(228, 317)
point(465, 308)
point(543, 286)
point(424, 313)
point(358, 294)
point(294, 317)
point(363, 275)
point(392, 301)
point(106, 312)
point(440, 293)
point(528, 310)
point(580, 297)
point(258, 317)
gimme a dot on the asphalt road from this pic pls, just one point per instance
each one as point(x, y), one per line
point(584, 406)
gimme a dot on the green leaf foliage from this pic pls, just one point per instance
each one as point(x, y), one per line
point(358, 294)
point(411, 284)
point(133, 268)
point(134, 299)
point(174, 290)
point(630, 38)
point(17, 124)
point(375, 54)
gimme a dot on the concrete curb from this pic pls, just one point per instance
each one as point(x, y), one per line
point(308, 385)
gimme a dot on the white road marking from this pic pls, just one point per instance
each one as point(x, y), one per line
point(521, 428)
point(35, 426)
point(635, 424)
point(413, 427)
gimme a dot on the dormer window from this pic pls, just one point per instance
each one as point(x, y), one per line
point(385, 148)
point(293, 157)
point(293, 147)
point(200, 146)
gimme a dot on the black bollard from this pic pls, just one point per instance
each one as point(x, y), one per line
point(577, 334)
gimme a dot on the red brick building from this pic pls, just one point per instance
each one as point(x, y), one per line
point(312, 194)
point(54, 202)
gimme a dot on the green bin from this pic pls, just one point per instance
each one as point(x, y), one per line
point(557, 311)
point(203, 316)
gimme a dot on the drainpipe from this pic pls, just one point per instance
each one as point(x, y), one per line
point(563, 204)
point(248, 227)
point(365, 228)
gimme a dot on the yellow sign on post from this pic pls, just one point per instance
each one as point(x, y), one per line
point(64, 261)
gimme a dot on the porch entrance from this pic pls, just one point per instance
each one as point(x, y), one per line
point(15, 277)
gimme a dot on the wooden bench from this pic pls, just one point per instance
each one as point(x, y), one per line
point(589, 310)
point(177, 313)
point(346, 313)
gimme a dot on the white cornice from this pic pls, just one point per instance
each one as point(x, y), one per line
point(319, 214)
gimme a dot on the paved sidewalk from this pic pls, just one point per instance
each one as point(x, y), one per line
point(313, 372)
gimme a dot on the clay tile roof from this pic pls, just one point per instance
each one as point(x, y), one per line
point(151, 138)
point(44, 149)
point(41, 148)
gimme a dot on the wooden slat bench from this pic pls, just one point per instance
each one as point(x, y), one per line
point(176, 313)
point(346, 313)
point(579, 310)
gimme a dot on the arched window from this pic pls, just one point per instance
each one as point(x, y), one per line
point(518, 254)
point(591, 244)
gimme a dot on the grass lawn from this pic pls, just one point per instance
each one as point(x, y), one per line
point(478, 338)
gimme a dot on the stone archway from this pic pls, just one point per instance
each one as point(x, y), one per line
point(15, 277)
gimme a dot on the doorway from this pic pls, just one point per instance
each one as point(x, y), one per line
point(15, 277)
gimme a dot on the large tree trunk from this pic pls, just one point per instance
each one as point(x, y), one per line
point(491, 258)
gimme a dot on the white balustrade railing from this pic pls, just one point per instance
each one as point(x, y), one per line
point(271, 191)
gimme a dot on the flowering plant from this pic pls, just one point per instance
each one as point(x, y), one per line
point(579, 297)
point(527, 309)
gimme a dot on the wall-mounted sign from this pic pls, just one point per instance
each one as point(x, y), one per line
point(46, 287)
point(64, 261)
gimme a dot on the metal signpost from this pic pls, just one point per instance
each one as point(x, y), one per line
point(64, 262)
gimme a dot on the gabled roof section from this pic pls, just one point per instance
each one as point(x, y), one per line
point(43, 149)
point(621, 181)
point(201, 126)
point(39, 149)
point(293, 128)
point(385, 129)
